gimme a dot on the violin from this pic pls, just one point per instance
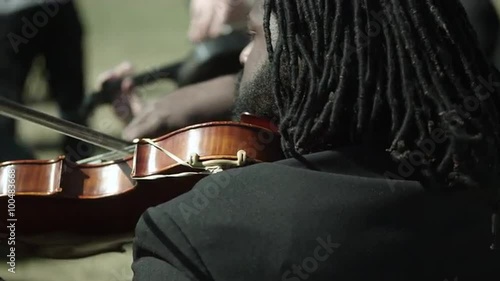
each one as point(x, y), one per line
point(108, 193)
point(209, 59)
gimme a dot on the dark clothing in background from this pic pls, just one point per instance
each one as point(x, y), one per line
point(484, 18)
point(55, 34)
point(282, 221)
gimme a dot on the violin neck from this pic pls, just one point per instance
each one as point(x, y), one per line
point(110, 88)
point(17, 111)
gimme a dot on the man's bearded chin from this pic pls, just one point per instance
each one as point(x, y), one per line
point(256, 96)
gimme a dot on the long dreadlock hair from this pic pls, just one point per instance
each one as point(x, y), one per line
point(403, 74)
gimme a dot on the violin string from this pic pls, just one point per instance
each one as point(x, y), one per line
point(109, 156)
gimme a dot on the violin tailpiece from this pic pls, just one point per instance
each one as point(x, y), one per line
point(218, 165)
point(194, 162)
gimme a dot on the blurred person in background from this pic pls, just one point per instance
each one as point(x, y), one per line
point(50, 28)
point(206, 101)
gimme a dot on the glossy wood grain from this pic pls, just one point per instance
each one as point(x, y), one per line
point(58, 195)
point(31, 177)
point(104, 215)
point(94, 181)
point(216, 140)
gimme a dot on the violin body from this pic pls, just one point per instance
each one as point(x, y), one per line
point(46, 178)
point(109, 197)
point(60, 196)
point(206, 142)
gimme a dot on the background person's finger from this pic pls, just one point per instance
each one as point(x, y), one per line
point(127, 85)
point(221, 13)
point(124, 69)
point(201, 17)
point(120, 71)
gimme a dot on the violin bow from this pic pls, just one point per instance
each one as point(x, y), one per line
point(17, 111)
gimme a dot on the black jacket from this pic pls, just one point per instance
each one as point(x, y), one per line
point(281, 221)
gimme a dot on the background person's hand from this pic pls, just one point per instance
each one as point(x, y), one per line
point(203, 102)
point(127, 104)
point(209, 17)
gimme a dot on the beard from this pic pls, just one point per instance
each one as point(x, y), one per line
point(256, 96)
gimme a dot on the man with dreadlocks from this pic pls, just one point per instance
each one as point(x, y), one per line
point(389, 120)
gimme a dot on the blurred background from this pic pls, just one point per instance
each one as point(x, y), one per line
point(148, 33)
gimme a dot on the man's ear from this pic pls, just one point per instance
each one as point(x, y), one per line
point(245, 53)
